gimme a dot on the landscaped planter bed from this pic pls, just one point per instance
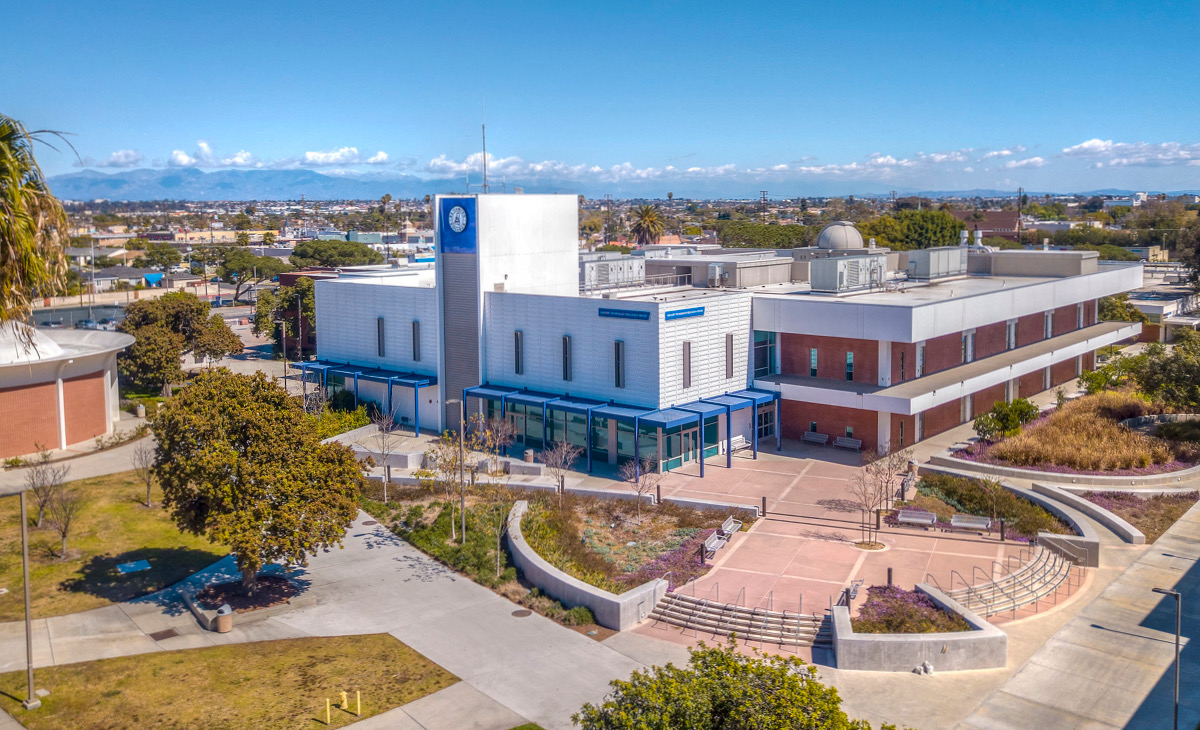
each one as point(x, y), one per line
point(946, 495)
point(1151, 514)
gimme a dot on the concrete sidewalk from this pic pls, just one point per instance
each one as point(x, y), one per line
point(1112, 665)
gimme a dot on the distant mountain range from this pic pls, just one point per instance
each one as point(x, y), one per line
point(193, 184)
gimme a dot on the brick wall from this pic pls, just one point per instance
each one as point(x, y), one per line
point(942, 418)
point(831, 356)
point(904, 431)
point(1030, 329)
point(986, 398)
point(832, 420)
point(943, 352)
point(909, 350)
point(30, 418)
point(1062, 372)
point(1089, 361)
point(990, 340)
point(1065, 319)
point(83, 399)
point(1029, 384)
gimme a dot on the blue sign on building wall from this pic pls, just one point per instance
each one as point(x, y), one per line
point(456, 225)
point(624, 313)
point(685, 313)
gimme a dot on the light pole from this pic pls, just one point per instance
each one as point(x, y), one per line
point(1178, 615)
point(31, 700)
point(283, 344)
point(462, 484)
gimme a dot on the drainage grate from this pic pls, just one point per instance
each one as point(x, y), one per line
point(165, 634)
point(522, 612)
point(371, 522)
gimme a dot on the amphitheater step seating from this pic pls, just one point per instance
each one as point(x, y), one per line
point(785, 628)
point(1034, 580)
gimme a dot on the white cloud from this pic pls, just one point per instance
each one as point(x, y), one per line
point(378, 158)
point(1006, 152)
point(1027, 162)
point(120, 158)
point(1128, 154)
point(968, 169)
point(340, 156)
point(179, 158)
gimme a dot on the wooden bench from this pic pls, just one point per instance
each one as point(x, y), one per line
point(970, 522)
point(916, 517)
point(846, 442)
point(738, 443)
point(815, 438)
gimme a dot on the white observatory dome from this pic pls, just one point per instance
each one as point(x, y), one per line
point(839, 235)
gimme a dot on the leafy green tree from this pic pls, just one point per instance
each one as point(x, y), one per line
point(1118, 309)
point(745, 234)
point(241, 268)
point(281, 305)
point(33, 226)
point(240, 463)
point(334, 253)
point(242, 222)
point(167, 328)
point(158, 254)
point(1005, 418)
point(1170, 378)
point(721, 689)
point(242, 238)
point(647, 225)
point(912, 229)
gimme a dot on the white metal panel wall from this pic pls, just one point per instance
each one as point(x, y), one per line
point(346, 324)
point(723, 314)
point(529, 243)
point(543, 320)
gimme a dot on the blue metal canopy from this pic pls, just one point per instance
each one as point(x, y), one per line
point(411, 380)
point(705, 409)
point(728, 401)
point(760, 397)
point(621, 413)
point(530, 398)
point(490, 392)
point(574, 405)
point(669, 418)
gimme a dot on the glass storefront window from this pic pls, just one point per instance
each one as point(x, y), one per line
point(766, 422)
point(764, 353)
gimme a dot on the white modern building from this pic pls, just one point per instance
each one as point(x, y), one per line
point(843, 342)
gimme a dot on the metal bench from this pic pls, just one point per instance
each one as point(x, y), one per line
point(730, 526)
point(738, 443)
point(971, 522)
point(917, 518)
point(846, 442)
point(853, 589)
point(815, 438)
point(713, 543)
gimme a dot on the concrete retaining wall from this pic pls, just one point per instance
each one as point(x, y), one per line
point(711, 505)
point(407, 460)
point(983, 647)
point(1096, 481)
point(612, 611)
point(1126, 531)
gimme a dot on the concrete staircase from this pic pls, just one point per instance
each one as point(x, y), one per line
point(1033, 581)
point(752, 625)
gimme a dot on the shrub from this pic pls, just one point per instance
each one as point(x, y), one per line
point(331, 422)
point(1086, 436)
point(1179, 431)
point(1005, 418)
point(893, 610)
point(988, 499)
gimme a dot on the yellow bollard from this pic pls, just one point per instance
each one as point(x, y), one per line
point(327, 718)
point(345, 702)
point(358, 702)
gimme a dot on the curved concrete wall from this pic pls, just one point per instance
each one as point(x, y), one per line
point(1126, 531)
point(983, 647)
point(945, 459)
point(612, 611)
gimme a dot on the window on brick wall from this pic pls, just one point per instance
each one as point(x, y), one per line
point(902, 353)
point(812, 362)
point(920, 365)
point(849, 366)
point(968, 346)
point(1010, 334)
point(1048, 324)
point(1079, 316)
point(764, 354)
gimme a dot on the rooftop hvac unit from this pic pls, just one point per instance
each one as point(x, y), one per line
point(717, 276)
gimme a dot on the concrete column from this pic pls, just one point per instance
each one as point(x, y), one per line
point(885, 363)
point(62, 410)
point(884, 429)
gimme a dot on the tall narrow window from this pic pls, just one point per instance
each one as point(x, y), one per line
point(849, 366)
point(1048, 320)
point(764, 354)
point(379, 336)
point(812, 362)
point(1010, 334)
point(902, 432)
point(519, 352)
point(619, 363)
point(920, 365)
point(1079, 316)
point(416, 341)
point(968, 346)
point(566, 347)
point(902, 366)
point(687, 364)
point(729, 355)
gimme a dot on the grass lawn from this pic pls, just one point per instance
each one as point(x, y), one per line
point(114, 527)
point(268, 684)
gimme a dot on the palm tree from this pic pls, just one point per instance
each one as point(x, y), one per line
point(647, 225)
point(33, 226)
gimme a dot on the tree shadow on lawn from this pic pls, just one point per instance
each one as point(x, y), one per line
point(99, 575)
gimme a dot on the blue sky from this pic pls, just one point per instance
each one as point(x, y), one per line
point(624, 97)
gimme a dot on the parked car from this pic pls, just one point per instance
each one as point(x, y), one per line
point(87, 324)
point(53, 324)
point(107, 324)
